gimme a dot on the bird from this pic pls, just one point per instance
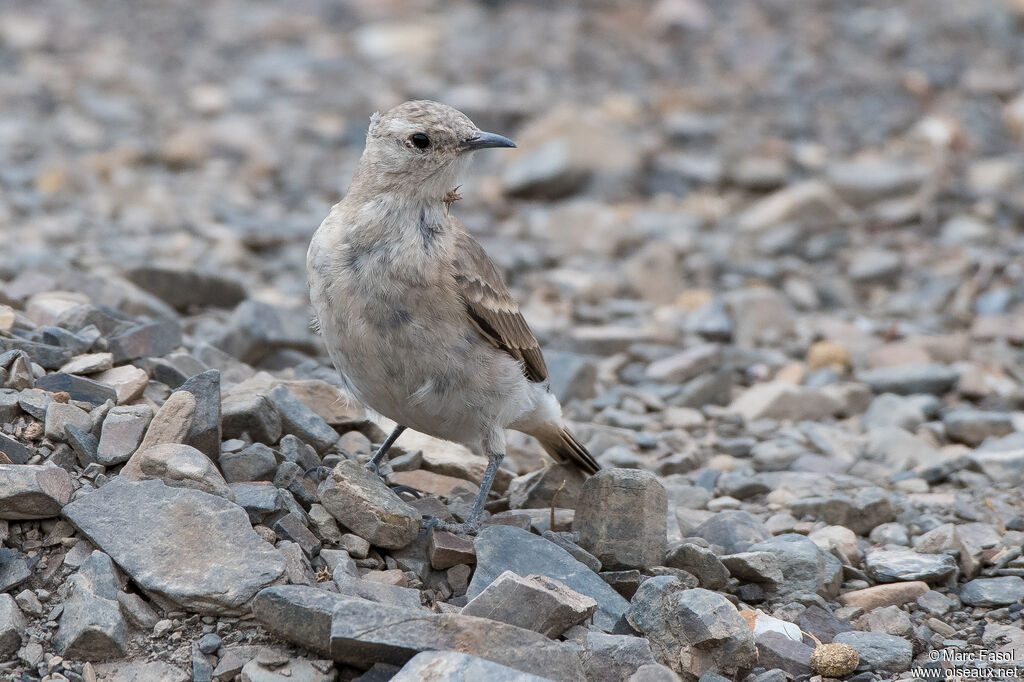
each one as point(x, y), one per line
point(415, 316)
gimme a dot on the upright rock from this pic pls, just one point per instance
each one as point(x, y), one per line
point(621, 518)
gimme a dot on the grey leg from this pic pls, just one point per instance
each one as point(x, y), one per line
point(472, 524)
point(382, 451)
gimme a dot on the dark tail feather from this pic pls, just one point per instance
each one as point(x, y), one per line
point(564, 447)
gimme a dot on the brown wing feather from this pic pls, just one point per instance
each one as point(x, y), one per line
point(492, 309)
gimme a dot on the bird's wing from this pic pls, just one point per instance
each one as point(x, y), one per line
point(491, 308)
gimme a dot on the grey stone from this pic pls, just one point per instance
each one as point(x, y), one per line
point(874, 266)
point(182, 288)
point(250, 413)
point(448, 549)
point(60, 415)
point(910, 379)
point(452, 665)
point(258, 500)
point(734, 531)
point(536, 603)
point(1003, 466)
point(204, 432)
point(900, 564)
point(655, 672)
point(298, 613)
point(363, 633)
point(776, 651)
point(867, 508)
point(612, 658)
point(35, 401)
point(821, 623)
point(804, 566)
point(293, 670)
point(122, 433)
point(360, 501)
point(255, 463)
point(890, 409)
point(501, 548)
point(391, 595)
point(148, 340)
point(83, 443)
point(138, 671)
point(571, 376)
point(701, 562)
point(756, 567)
point(91, 626)
point(889, 619)
point(48, 357)
point(974, 426)
point(209, 643)
point(290, 527)
point(300, 421)
point(1000, 591)
point(878, 651)
point(782, 400)
point(137, 610)
point(90, 363)
point(621, 518)
point(935, 603)
point(577, 552)
point(686, 365)
point(537, 489)
point(13, 569)
point(692, 630)
point(220, 562)
point(18, 453)
point(863, 182)
point(10, 410)
point(33, 491)
point(12, 625)
point(202, 669)
point(171, 422)
point(179, 466)
point(548, 172)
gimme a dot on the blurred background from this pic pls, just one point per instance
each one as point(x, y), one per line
point(769, 174)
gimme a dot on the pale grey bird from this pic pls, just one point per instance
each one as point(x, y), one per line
point(415, 316)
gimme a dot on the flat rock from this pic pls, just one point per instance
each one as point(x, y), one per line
point(775, 651)
point(128, 382)
point(439, 666)
point(900, 564)
point(90, 363)
point(12, 625)
point(299, 420)
point(360, 501)
point(878, 596)
point(79, 388)
point(910, 379)
point(1000, 591)
point(507, 548)
point(250, 413)
point(612, 658)
point(363, 633)
point(298, 613)
point(13, 569)
point(535, 602)
point(701, 562)
point(805, 568)
point(122, 433)
point(783, 400)
point(974, 426)
point(60, 415)
point(621, 518)
point(390, 595)
point(219, 563)
point(734, 531)
point(879, 651)
point(139, 671)
point(33, 491)
point(172, 421)
point(254, 463)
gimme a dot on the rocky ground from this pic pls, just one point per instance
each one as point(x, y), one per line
point(774, 252)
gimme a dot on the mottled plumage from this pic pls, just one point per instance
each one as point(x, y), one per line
point(415, 316)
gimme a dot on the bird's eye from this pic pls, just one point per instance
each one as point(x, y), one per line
point(420, 140)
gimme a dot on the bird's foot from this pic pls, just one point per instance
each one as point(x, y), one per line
point(318, 473)
point(471, 527)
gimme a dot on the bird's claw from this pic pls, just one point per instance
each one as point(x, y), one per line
point(471, 527)
point(317, 473)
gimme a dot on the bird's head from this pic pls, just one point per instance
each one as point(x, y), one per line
point(422, 146)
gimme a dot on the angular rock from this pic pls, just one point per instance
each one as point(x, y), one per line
point(537, 489)
point(172, 421)
point(298, 613)
point(878, 651)
point(884, 595)
point(578, 553)
point(255, 463)
point(391, 595)
point(448, 549)
point(692, 631)
point(13, 569)
point(250, 413)
point(33, 491)
point(360, 501)
point(91, 626)
point(782, 400)
point(78, 388)
point(755, 567)
point(15, 451)
point(363, 633)
point(12, 625)
point(536, 603)
point(1000, 591)
point(60, 415)
point(181, 288)
point(821, 623)
point(621, 518)
point(290, 527)
point(775, 651)
point(178, 466)
point(701, 562)
point(220, 562)
point(138, 671)
point(299, 420)
point(90, 363)
point(900, 564)
point(860, 513)
point(148, 340)
point(122, 433)
point(501, 548)
point(611, 658)
point(204, 432)
point(452, 665)
point(734, 531)
point(128, 381)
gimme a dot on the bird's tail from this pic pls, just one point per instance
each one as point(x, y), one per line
point(564, 447)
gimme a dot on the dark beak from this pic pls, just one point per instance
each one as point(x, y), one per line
point(486, 140)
